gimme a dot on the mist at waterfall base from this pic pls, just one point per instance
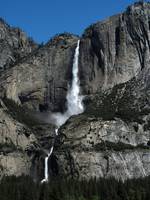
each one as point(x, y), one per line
point(74, 105)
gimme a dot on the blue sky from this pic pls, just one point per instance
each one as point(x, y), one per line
point(42, 19)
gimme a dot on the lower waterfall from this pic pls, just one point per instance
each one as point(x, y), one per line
point(74, 105)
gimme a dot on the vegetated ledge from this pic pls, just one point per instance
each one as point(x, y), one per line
point(21, 114)
point(8, 147)
point(103, 146)
point(119, 146)
point(122, 103)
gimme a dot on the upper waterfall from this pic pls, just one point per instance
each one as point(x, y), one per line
point(74, 99)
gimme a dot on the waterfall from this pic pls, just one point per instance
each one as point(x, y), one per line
point(46, 165)
point(74, 100)
point(74, 105)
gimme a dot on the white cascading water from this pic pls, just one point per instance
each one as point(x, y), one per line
point(46, 160)
point(74, 105)
point(74, 100)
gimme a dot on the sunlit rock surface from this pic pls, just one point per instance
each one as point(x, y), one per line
point(92, 147)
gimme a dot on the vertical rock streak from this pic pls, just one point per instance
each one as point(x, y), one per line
point(74, 105)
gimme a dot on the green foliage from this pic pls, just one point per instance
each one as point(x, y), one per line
point(21, 188)
point(7, 147)
point(21, 114)
point(119, 102)
point(107, 145)
point(24, 188)
point(60, 38)
point(112, 146)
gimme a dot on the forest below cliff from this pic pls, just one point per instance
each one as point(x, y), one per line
point(13, 188)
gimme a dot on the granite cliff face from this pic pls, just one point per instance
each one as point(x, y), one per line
point(40, 82)
point(93, 147)
point(15, 140)
point(14, 44)
point(112, 136)
point(115, 50)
